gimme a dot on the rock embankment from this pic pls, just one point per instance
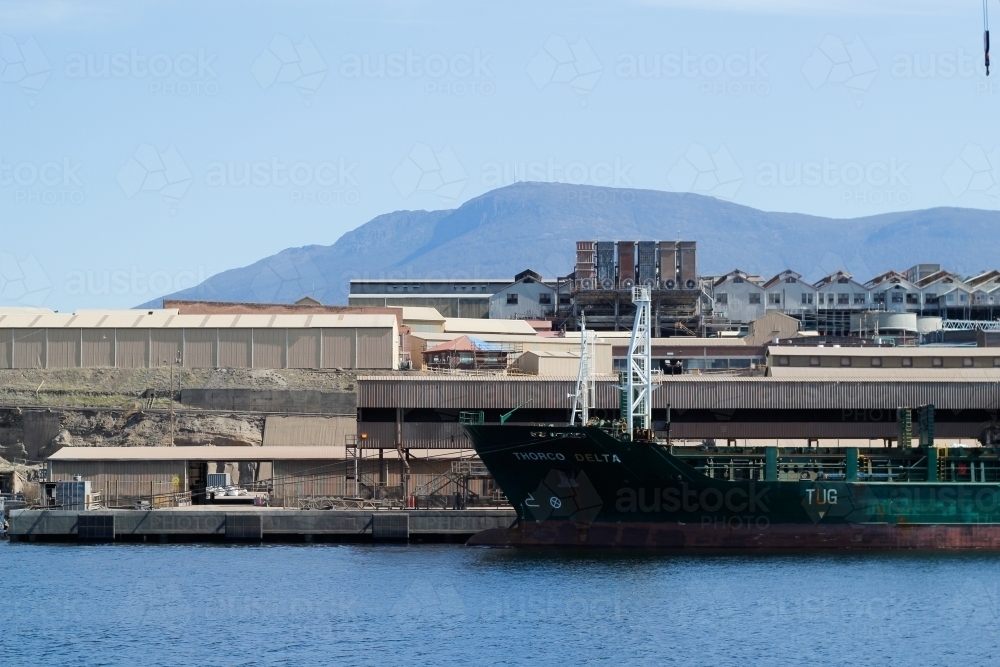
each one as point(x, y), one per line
point(42, 410)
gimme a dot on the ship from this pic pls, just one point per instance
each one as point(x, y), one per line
point(619, 484)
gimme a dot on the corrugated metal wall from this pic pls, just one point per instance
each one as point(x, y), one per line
point(761, 393)
point(338, 348)
point(472, 393)
point(125, 478)
point(315, 431)
point(434, 435)
point(303, 479)
point(29, 348)
point(374, 348)
point(5, 348)
point(303, 348)
point(64, 348)
point(165, 346)
point(98, 348)
point(234, 348)
point(709, 393)
point(269, 348)
point(132, 348)
point(200, 348)
point(298, 480)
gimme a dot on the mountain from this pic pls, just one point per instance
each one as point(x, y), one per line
point(536, 225)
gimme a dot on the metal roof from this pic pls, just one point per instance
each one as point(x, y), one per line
point(799, 351)
point(421, 314)
point(553, 354)
point(885, 374)
point(169, 319)
point(472, 325)
point(200, 453)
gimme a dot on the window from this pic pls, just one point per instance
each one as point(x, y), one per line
point(860, 298)
point(774, 298)
point(907, 362)
point(807, 297)
point(996, 361)
point(829, 299)
point(722, 299)
point(843, 299)
point(876, 361)
point(814, 361)
point(842, 281)
point(789, 280)
point(845, 361)
point(937, 362)
point(968, 362)
point(963, 297)
point(913, 299)
point(879, 298)
point(545, 299)
point(755, 299)
point(565, 300)
point(511, 299)
point(897, 297)
point(930, 298)
point(950, 298)
point(737, 279)
point(782, 361)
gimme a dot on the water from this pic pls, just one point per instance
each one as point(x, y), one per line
point(452, 605)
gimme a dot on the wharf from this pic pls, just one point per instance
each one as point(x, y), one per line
point(254, 524)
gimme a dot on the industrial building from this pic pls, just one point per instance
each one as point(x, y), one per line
point(458, 297)
point(888, 363)
point(289, 475)
point(913, 304)
point(423, 411)
point(606, 271)
point(149, 338)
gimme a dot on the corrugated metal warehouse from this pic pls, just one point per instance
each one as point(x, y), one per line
point(424, 409)
point(681, 392)
point(142, 339)
point(293, 472)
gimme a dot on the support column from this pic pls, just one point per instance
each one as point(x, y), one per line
point(770, 464)
point(852, 464)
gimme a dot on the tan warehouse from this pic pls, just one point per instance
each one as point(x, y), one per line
point(147, 338)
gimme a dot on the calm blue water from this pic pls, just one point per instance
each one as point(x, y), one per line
point(452, 605)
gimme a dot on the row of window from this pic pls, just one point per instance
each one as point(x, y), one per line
point(543, 299)
point(454, 288)
point(906, 362)
point(845, 299)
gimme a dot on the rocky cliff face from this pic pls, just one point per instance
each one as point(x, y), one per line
point(43, 410)
point(33, 440)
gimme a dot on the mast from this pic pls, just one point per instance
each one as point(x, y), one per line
point(640, 372)
point(581, 397)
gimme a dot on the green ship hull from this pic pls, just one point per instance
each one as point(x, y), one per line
point(588, 486)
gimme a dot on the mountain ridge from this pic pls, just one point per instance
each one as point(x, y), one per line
point(535, 225)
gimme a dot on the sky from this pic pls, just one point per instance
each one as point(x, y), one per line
point(145, 146)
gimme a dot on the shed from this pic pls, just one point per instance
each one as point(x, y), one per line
point(466, 353)
point(549, 363)
point(149, 338)
point(774, 325)
point(122, 474)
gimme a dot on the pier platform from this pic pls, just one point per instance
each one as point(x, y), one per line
point(254, 524)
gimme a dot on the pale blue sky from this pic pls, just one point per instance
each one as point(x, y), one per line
point(127, 128)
